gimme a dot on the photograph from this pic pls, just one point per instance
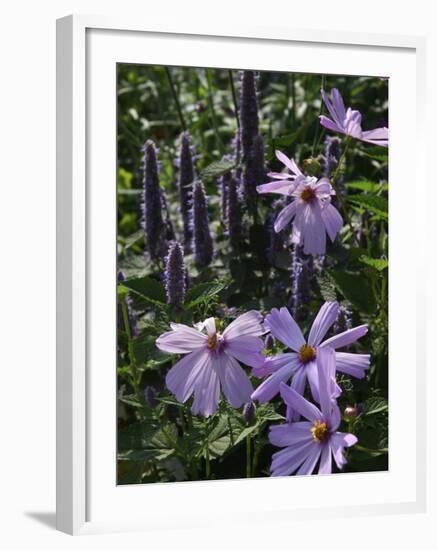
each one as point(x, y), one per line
point(252, 274)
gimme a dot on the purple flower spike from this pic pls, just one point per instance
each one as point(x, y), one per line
point(348, 121)
point(300, 363)
point(202, 241)
point(315, 440)
point(175, 275)
point(153, 223)
point(224, 191)
point(311, 209)
point(185, 185)
point(255, 172)
point(212, 360)
point(235, 229)
point(248, 112)
point(302, 274)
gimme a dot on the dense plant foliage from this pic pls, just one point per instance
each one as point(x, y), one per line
point(199, 239)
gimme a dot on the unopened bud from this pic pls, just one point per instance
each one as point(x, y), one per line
point(249, 412)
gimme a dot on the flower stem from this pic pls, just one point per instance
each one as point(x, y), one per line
point(207, 458)
point(248, 457)
point(176, 99)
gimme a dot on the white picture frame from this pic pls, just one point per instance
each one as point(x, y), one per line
point(81, 486)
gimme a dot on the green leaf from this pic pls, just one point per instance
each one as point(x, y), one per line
point(355, 288)
point(133, 238)
point(375, 405)
point(367, 186)
point(377, 263)
point(147, 288)
point(204, 291)
point(377, 153)
point(376, 204)
point(138, 443)
point(327, 289)
point(217, 168)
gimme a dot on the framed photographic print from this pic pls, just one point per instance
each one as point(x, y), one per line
point(233, 219)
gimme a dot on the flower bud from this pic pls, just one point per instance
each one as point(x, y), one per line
point(150, 395)
point(249, 412)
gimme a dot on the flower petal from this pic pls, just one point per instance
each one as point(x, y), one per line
point(299, 403)
point(182, 377)
point(337, 443)
point(308, 466)
point(206, 391)
point(235, 383)
point(313, 229)
point(281, 187)
point(331, 109)
point(284, 435)
point(289, 163)
point(285, 462)
point(326, 375)
point(354, 364)
point(283, 327)
point(285, 216)
point(338, 103)
point(247, 349)
point(272, 364)
point(330, 125)
point(326, 317)
point(325, 466)
point(332, 220)
point(270, 387)
point(298, 384)
point(181, 339)
point(248, 324)
point(378, 136)
point(346, 338)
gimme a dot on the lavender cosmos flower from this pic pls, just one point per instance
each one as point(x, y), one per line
point(317, 438)
point(313, 213)
point(248, 112)
point(212, 360)
point(175, 275)
point(254, 173)
point(301, 361)
point(185, 185)
point(348, 121)
point(202, 241)
point(153, 223)
point(235, 229)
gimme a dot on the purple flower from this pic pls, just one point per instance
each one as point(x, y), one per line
point(248, 112)
point(212, 359)
point(348, 121)
point(185, 185)
point(302, 274)
point(254, 173)
point(175, 275)
point(317, 438)
point(153, 223)
point(313, 213)
point(202, 241)
point(223, 184)
point(300, 363)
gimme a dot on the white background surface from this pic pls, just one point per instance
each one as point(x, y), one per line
point(27, 224)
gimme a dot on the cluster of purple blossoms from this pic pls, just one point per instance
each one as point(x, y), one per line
point(175, 275)
point(302, 274)
point(202, 240)
point(185, 185)
point(152, 204)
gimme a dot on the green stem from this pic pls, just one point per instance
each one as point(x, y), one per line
point(176, 99)
point(207, 458)
point(248, 457)
point(370, 451)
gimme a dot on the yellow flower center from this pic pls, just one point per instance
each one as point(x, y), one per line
point(307, 353)
point(307, 194)
point(320, 431)
point(212, 341)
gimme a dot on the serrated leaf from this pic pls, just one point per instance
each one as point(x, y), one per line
point(377, 263)
point(217, 168)
point(376, 204)
point(147, 288)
